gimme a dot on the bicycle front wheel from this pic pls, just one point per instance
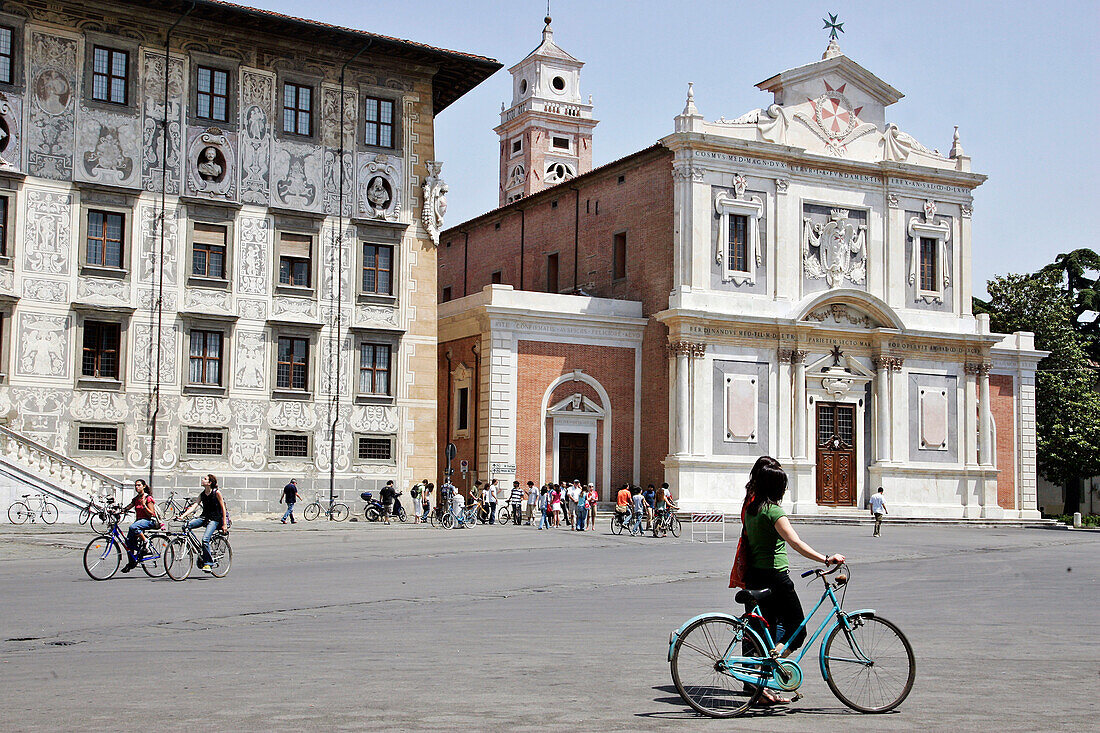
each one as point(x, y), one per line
point(311, 511)
point(674, 525)
point(49, 513)
point(448, 521)
point(869, 666)
point(180, 560)
point(340, 512)
point(703, 663)
point(617, 524)
point(84, 516)
point(223, 556)
point(102, 557)
point(18, 512)
point(156, 564)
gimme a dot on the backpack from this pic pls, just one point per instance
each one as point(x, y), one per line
point(415, 492)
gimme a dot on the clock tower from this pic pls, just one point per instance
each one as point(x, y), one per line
point(546, 133)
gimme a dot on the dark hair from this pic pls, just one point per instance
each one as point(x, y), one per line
point(880, 489)
point(213, 480)
point(650, 486)
point(431, 486)
point(767, 484)
point(664, 485)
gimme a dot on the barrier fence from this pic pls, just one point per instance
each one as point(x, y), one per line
point(709, 527)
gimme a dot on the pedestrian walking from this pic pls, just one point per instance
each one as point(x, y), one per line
point(290, 498)
point(572, 495)
point(532, 501)
point(544, 508)
point(555, 504)
point(641, 509)
point(493, 501)
point(426, 498)
point(515, 502)
point(878, 509)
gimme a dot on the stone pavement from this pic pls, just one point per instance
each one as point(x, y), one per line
point(366, 627)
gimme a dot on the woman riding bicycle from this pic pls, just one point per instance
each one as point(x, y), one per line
point(145, 517)
point(769, 531)
point(214, 516)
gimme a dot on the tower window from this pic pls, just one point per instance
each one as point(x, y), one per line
point(561, 143)
point(558, 83)
point(517, 145)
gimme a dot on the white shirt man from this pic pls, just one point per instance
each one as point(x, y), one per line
point(878, 508)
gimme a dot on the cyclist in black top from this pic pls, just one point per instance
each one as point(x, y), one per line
point(214, 516)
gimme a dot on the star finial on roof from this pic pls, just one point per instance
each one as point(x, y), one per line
point(833, 27)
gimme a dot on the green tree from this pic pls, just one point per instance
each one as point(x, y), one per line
point(1067, 404)
point(1073, 271)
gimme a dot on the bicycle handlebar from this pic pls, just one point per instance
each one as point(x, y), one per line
point(822, 573)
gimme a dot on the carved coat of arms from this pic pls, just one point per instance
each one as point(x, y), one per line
point(835, 250)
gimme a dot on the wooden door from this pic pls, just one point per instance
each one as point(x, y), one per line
point(573, 457)
point(836, 454)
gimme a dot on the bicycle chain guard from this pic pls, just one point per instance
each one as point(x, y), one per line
point(787, 675)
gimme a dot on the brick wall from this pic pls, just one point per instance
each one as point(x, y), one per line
point(592, 208)
point(1002, 400)
point(461, 352)
point(540, 363)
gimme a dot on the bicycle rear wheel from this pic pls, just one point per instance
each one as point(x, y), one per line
point(223, 556)
point(99, 521)
point(84, 516)
point(340, 512)
point(102, 557)
point(617, 525)
point(18, 512)
point(674, 525)
point(701, 672)
point(869, 667)
point(311, 511)
point(181, 558)
point(448, 521)
point(156, 565)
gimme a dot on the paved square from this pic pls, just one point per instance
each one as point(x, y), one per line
point(357, 627)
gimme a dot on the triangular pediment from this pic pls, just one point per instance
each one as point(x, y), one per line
point(577, 405)
point(795, 86)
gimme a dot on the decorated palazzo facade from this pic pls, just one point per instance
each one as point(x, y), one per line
point(246, 227)
point(795, 281)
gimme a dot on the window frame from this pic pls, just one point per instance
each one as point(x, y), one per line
point(104, 240)
point(374, 369)
point(120, 435)
point(110, 75)
point(293, 364)
point(392, 124)
point(89, 328)
point(298, 85)
point(727, 205)
point(311, 335)
point(309, 446)
point(206, 331)
point(938, 230)
point(301, 291)
point(6, 326)
point(6, 227)
point(389, 437)
point(17, 26)
point(362, 269)
point(89, 204)
point(210, 218)
point(211, 93)
point(11, 55)
point(93, 39)
point(186, 454)
point(381, 93)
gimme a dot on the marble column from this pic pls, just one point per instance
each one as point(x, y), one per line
point(882, 400)
point(798, 360)
point(682, 351)
point(985, 418)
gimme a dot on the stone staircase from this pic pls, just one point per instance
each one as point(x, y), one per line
point(27, 467)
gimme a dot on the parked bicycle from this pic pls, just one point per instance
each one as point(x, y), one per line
point(103, 555)
point(184, 547)
point(22, 511)
point(170, 509)
point(95, 513)
point(721, 663)
point(666, 520)
point(337, 511)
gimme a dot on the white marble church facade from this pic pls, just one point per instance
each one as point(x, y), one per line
point(821, 312)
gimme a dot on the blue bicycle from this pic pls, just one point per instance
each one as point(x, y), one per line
point(103, 555)
point(721, 663)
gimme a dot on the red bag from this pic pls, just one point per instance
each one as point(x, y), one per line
point(740, 558)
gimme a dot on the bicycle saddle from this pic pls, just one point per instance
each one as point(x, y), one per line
point(748, 597)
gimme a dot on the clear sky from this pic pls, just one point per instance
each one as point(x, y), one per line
point(1020, 79)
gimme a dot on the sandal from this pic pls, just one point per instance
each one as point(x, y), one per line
point(769, 698)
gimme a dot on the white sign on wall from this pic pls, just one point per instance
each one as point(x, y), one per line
point(502, 468)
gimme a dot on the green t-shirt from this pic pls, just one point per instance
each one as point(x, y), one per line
point(769, 550)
